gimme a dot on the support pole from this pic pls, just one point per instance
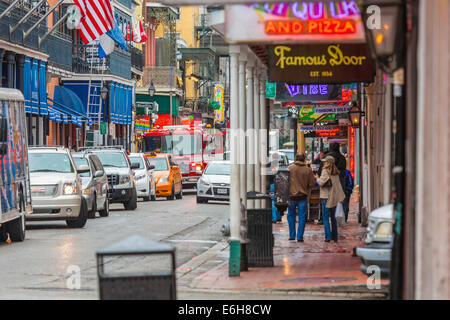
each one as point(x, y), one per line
point(263, 131)
point(235, 205)
point(242, 122)
point(257, 148)
point(250, 131)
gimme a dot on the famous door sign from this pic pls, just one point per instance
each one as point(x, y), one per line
point(318, 63)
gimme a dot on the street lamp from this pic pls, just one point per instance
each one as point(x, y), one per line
point(384, 27)
point(104, 92)
point(354, 115)
point(151, 90)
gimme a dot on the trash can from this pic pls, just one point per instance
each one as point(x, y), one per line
point(259, 232)
point(141, 285)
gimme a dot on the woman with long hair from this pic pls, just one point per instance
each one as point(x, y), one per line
point(331, 194)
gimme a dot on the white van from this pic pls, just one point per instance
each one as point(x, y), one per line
point(15, 194)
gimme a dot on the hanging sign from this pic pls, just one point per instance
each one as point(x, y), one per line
point(218, 97)
point(331, 63)
point(283, 22)
point(308, 114)
point(287, 92)
point(336, 132)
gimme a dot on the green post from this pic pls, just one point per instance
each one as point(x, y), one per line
point(235, 259)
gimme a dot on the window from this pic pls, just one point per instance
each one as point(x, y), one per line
point(113, 159)
point(82, 161)
point(220, 169)
point(50, 162)
point(139, 161)
point(159, 163)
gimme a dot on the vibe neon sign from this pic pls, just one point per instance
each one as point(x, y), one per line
point(312, 89)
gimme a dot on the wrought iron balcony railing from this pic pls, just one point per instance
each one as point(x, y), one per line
point(137, 58)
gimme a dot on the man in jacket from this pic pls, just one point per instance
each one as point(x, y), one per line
point(301, 179)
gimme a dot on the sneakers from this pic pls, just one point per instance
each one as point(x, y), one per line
point(300, 240)
point(291, 239)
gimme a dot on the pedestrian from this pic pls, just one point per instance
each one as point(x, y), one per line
point(301, 179)
point(339, 161)
point(276, 215)
point(349, 184)
point(331, 194)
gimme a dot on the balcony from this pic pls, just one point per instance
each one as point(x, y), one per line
point(164, 78)
point(85, 60)
point(137, 58)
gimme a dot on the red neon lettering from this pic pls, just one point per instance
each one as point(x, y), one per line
point(312, 25)
point(270, 27)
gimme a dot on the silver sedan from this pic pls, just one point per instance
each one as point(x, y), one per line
point(214, 184)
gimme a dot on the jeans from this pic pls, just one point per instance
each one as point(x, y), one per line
point(276, 215)
point(301, 211)
point(346, 205)
point(329, 213)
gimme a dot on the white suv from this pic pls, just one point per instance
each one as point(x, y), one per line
point(56, 188)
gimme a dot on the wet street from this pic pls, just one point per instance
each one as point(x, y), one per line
point(39, 267)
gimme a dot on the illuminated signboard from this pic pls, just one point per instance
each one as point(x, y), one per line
point(351, 150)
point(218, 97)
point(287, 92)
point(308, 114)
point(319, 63)
point(336, 132)
point(306, 21)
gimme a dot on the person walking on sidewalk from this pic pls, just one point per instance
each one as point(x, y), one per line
point(331, 194)
point(349, 184)
point(301, 181)
point(276, 215)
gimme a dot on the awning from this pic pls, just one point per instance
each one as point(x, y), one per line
point(67, 104)
point(67, 97)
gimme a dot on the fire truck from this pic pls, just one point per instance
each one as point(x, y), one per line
point(191, 148)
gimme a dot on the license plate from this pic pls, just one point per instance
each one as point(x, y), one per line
point(222, 191)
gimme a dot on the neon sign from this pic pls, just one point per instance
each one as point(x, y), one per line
point(312, 89)
point(218, 97)
point(311, 10)
point(325, 26)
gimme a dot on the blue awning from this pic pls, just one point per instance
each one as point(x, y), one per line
point(67, 97)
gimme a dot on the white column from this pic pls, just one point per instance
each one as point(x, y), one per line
point(257, 123)
point(249, 132)
point(263, 125)
point(235, 213)
point(242, 122)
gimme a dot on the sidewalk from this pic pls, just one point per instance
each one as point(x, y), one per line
point(311, 266)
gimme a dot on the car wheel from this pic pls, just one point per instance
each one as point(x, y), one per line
point(91, 214)
point(180, 195)
point(80, 222)
point(105, 212)
point(172, 195)
point(16, 228)
point(132, 204)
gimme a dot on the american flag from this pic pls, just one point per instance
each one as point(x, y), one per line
point(97, 18)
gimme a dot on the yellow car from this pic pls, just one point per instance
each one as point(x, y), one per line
point(167, 174)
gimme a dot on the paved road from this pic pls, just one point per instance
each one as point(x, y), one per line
point(38, 267)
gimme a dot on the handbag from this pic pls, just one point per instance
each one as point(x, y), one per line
point(328, 184)
point(340, 215)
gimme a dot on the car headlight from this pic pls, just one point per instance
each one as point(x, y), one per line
point(69, 188)
point(164, 179)
point(204, 182)
point(87, 191)
point(124, 179)
point(384, 230)
point(141, 176)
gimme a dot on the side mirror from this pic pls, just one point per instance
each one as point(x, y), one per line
point(151, 167)
point(134, 165)
point(83, 168)
point(98, 174)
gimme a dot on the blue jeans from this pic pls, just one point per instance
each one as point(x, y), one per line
point(329, 213)
point(301, 211)
point(276, 216)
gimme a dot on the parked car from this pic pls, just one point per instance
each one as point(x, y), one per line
point(56, 187)
point(377, 246)
point(168, 176)
point(289, 153)
point(95, 184)
point(145, 180)
point(215, 182)
point(15, 194)
point(118, 168)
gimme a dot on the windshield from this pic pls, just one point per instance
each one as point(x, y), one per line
point(187, 144)
point(220, 169)
point(289, 155)
point(112, 159)
point(50, 162)
point(139, 161)
point(82, 161)
point(157, 143)
point(159, 163)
